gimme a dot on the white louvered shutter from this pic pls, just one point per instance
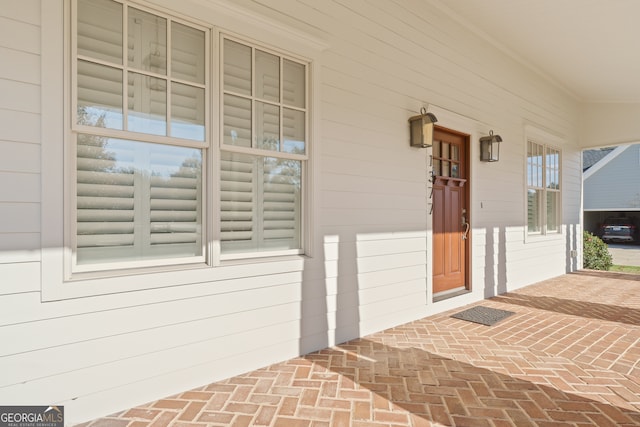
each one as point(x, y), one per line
point(237, 201)
point(281, 203)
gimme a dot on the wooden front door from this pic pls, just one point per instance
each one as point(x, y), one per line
point(450, 214)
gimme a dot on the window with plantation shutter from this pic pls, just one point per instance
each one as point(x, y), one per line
point(263, 151)
point(140, 138)
point(543, 189)
point(140, 152)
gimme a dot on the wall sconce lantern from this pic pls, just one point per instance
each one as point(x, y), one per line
point(421, 128)
point(490, 147)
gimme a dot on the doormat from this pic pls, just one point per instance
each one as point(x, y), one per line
point(483, 315)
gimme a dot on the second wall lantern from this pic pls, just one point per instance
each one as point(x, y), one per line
point(421, 128)
point(490, 147)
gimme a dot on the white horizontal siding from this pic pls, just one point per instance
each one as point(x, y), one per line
point(24, 311)
point(29, 40)
point(138, 318)
point(19, 96)
point(112, 400)
point(19, 145)
point(208, 332)
point(27, 11)
point(25, 187)
point(19, 217)
point(133, 369)
point(19, 277)
point(369, 268)
point(18, 126)
point(19, 66)
point(19, 157)
point(18, 246)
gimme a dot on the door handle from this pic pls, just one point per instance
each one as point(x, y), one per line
point(466, 225)
point(466, 231)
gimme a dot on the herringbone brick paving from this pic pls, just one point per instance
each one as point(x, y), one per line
point(569, 356)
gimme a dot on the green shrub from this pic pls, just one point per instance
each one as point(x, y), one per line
point(596, 254)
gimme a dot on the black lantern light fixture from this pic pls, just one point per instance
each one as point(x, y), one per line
point(421, 128)
point(490, 147)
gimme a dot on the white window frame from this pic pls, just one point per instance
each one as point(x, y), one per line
point(55, 125)
point(73, 271)
point(546, 141)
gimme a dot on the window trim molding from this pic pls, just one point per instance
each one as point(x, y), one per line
point(547, 139)
point(56, 123)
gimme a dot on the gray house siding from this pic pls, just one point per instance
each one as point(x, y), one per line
point(612, 187)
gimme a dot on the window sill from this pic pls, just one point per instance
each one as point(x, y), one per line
point(536, 238)
point(156, 279)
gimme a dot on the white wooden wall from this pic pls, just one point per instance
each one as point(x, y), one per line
point(369, 270)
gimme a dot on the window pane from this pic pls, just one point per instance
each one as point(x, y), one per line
point(100, 30)
point(267, 76)
point(99, 95)
point(534, 165)
point(260, 203)
point(435, 151)
point(147, 41)
point(237, 200)
point(187, 112)
point(455, 170)
point(237, 121)
point(267, 126)
point(237, 68)
point(444, 151)
point(147, 103)
point(137, 201)
point(187, 53)
point(455, 152)
point(534, 211)
point(281, 203)
point(553, 169)
point(436, 168)
point(294, 84)
point(445, 168)
point(553, 211)
point(294, 131)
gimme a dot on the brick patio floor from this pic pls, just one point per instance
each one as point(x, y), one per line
point(569, 356)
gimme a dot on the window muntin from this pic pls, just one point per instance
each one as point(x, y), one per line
point(264, 150)
point(139, 137)
point(543, 189)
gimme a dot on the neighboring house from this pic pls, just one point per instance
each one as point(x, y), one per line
point(190, 190)
point(611, 184)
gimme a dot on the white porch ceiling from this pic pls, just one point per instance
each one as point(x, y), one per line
point(591, 48)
